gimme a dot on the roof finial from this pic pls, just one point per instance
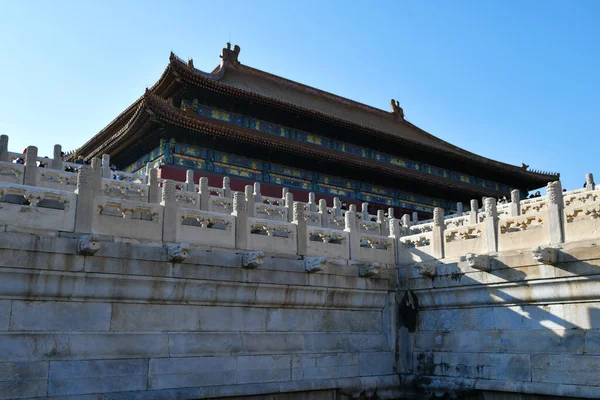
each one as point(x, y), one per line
point(191, 63)
point(229, 55)
point(397, 111)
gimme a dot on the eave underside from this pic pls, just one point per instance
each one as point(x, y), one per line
point(157, 119)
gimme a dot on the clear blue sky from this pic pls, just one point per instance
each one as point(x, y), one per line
point(517, 81)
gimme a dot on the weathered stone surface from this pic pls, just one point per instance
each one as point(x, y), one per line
point(82, 346)
point(145, 317)
point(456, 319)
point(5, 306)
point(100, 376)
point(60, 316)
point(204, 344)
point(192, 371)
point(23, 379)
point(272, 368)
point(565, 369)
point(510, 367)
point(380, 363)
point(37, 260)
point(273, 343)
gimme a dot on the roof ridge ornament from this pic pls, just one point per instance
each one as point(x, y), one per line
point(231, 56)
point(397, 111)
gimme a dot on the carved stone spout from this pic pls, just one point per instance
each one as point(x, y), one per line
point(481, 262)
point(89, 244)
point(314, 264)
point(545, 255)
point(427, 269)
point(178, 252)
point(368, 270)
point(252, 260)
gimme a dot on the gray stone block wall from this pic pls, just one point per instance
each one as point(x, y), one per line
point(126, 323)
point(522, 329)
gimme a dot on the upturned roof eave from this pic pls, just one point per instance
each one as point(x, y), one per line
point(161, 110)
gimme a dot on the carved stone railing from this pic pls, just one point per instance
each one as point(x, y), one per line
point(205, 228)
point(127, 190)
point(96, 199)
point(127, 219)
point(271, 236)
point(327, 242)
point(56, 179)
point(272, 212)
point(415, 248)
point(11, 172)
point(37, 208)
point(582, 215)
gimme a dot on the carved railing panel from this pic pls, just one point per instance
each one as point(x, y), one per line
point(37, 208)
point(128, 219)
point(272, 212)
point(369, 227)
point(375, 248)
point(187, 199)
point(415, 248)
point(54, 179)
point(524, 231)
point(11, 172)
point(313, 218)
point(220, 204)
point(125, 190)
point(272, 236)
point(461, 240)
point(205, 228)
point(582, 216)
point(327, 242)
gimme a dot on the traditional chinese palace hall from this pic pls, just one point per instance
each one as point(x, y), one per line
point(253, 126)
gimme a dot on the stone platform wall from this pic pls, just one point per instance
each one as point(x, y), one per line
point(126, 323)
point(521, 330)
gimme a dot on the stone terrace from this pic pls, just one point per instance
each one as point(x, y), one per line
point(118, 286)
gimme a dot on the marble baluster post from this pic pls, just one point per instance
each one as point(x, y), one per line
point(299, 219)
point(226, 187)
point(383, 223)
point(555, 206)
point(85, 200)
point(474, 210)
point(323, 213)
point(169, 203)
point(515, 202)
point(31, 169)
point(589, 182)
point(289, 204)
point(312, 205)
point(154, 192)
point(249, 196)
point(240, 207)
point(4, 148)
point(437, 237)
point(57, 161)
point(351, 226)
point(459, 209)
point(337, 207)
point(257, 195)
point(106, 171)
point(190, 186)
point(490, 224)
point(204, 193)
